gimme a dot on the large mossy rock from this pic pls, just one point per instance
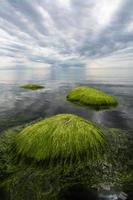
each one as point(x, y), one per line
point(23, 177)
point(91, 97)
point(61, 138)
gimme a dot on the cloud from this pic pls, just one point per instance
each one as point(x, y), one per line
point(66, 32)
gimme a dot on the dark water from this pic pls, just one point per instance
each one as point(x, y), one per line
point(18, 106)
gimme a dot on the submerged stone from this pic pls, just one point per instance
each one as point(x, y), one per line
point(32, 86)
point(91, 97)
point(22, 177)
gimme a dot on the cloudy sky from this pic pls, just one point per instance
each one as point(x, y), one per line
point(96, 33)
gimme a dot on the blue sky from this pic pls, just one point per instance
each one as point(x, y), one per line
point(42, 33)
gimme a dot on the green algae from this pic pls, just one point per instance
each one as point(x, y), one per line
point(127, 183)
point(23, 177)
point(92, 97)
point(61, 138)
point(32, 86)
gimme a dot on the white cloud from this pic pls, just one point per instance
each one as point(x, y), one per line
point(120, 59)
point(63, 31)
point(129, 27)
point(105, 10)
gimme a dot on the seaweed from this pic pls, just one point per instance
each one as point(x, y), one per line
point(23, 177)
point(91, 97)
point(61, 138)
point(32, 86)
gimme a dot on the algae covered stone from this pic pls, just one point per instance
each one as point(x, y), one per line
point(91, 97)
point(23, 178)
point(61, 138)
point(32, 86)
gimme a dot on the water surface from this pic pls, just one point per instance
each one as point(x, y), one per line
point(19, 106)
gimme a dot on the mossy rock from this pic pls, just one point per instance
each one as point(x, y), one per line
point(22, 178)
point(91, 97)
point(32, 86)
point(61, 138)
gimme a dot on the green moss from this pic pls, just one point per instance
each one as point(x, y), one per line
point(91, 97)
point(62, 138)
point(127, 182)
point(22, 178)
point(32, 86)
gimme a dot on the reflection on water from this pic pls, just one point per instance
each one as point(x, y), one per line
point(107, 75)
point(18, 106)
point(57, 74)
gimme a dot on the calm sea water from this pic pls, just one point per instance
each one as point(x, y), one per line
point(19, 106)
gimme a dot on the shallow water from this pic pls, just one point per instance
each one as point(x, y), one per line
point(19, 106)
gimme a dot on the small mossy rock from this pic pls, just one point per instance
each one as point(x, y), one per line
point(90, 96)
point(32, 86)
point(61, 138)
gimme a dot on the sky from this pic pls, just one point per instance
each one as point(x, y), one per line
point(42, 33)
